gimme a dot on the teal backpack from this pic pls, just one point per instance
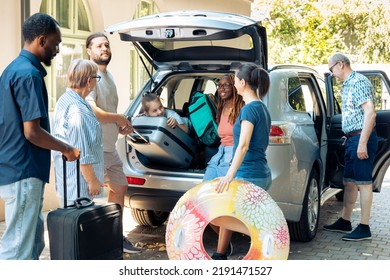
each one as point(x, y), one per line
point(202, 113)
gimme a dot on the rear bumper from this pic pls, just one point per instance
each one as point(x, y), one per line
point(152, 199)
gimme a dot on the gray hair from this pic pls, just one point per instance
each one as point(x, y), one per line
point(80, 70)
point(340, 57)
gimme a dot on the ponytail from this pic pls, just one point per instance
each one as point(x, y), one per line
point(257, 78)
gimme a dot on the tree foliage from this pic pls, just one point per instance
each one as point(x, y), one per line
point(310, 31)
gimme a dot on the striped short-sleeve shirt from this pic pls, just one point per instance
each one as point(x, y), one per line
point(75, 123)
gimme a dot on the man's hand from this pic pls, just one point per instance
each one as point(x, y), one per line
point(95, 189)
point(122, 121)
point(126, 130)
point(362, 152)
point(71, 153)
point(124, 124)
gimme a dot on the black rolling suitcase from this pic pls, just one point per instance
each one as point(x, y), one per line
point(85, 230)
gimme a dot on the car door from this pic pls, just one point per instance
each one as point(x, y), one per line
point(335, 156)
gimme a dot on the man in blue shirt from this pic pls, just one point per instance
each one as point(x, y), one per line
point(25, 139)
point(358, 123)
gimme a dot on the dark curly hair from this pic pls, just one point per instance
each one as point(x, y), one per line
point(39, 24)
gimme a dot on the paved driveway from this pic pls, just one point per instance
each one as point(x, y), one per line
point(325, 246)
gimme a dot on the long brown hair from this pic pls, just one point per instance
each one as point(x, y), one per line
point(237, 102)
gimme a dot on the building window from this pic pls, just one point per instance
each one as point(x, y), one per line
point(74, 19)
point(138, 74)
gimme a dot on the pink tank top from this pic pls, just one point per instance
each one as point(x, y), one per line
point(225, 131)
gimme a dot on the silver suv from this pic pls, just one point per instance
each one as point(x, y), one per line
point(189, 52)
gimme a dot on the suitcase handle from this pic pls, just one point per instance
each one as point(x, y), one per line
point(79, 202)
point(77, 179)
point(139, 135)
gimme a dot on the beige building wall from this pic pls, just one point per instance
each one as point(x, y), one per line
point(103, 14)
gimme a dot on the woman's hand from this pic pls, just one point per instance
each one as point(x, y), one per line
point(223, 184)
point(95, 188)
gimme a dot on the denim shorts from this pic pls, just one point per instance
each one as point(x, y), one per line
point(219, 164)
point(356, 170)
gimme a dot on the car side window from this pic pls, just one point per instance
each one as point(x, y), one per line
point(183, 92)
point(302, 96)
point(321, 84)
point(337, 86)
point(295, 94)
point(312, 106)
point(176, 92)
point(296, 97)
point(210, 87)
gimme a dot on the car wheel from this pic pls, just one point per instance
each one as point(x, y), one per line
point(306, 229)
point(149, 217)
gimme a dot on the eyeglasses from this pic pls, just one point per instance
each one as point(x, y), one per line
point(97, 77)
point(225, 86)
point(331, 68)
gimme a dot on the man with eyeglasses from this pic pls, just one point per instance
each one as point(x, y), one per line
point(104, 101)
point(358, 124)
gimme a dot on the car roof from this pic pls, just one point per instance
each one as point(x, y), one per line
point(196, 37)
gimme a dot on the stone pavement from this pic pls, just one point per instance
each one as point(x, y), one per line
point(325, 246)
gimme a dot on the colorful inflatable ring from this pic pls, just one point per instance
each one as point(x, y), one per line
point(248, 203)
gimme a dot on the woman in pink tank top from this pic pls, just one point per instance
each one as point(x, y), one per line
point(228, 108)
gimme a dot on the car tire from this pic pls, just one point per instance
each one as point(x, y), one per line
point(149, 217)
point(306, 229)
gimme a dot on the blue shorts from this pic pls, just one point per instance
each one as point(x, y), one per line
point(356, 170)
point(219, 164)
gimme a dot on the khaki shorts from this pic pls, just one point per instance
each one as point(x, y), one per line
point(113, 169)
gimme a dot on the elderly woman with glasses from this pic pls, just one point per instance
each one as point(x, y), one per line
point(76, 124)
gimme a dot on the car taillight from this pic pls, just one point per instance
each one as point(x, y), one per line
point(135, 181)
point(280, 132)
point(276, 131)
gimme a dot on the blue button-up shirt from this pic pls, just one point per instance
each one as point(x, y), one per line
point(23, 97)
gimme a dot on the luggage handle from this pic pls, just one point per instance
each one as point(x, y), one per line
point(65, 184)
point(79, 202)
point(140, 136)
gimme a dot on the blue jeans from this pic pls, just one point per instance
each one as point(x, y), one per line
point(23, 238)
